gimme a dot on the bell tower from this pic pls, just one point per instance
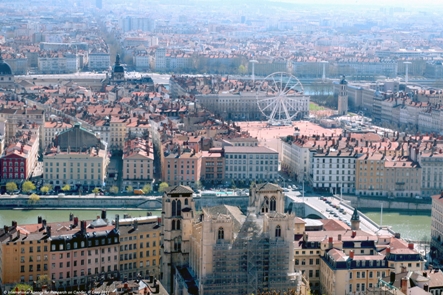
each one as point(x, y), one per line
point(355, 220)
point(177, 215)
point(266, 198)
point(343, 97)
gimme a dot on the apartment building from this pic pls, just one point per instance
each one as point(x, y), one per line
point(334, 171)
point(24, 255)
point(99, 61)
point(337, 259)
point(138, 162)
point(20, 156)
point(139, 246)
point(213, 166)
point(81, 253)
point(117, 134)
point(437, 226)
point(251, 163)
point(182, 165)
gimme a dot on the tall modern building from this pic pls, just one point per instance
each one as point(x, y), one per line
point(343, 97)
point(223, 251)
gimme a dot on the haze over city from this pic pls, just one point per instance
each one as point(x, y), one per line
point(221, 147)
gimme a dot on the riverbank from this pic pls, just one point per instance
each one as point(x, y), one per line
point(390, 205)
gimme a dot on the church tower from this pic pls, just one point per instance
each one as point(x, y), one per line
point(355, 220)
point(178, 209)
point(343, 97)
point(118, 71)
point(266, 198)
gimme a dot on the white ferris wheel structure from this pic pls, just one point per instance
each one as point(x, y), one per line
point(280, 98)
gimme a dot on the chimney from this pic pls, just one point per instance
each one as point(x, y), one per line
point(6, 229)
point(76, 221)
point(71, 216)
point(425, 274)
point(14, 224)
point(159, 221)
point(392, 278)
point(43, 223)
point(404, 285)
point(135, 224)
point(18, 234)
point(39, 219)
point(411, 246)
point(104, 214)
point(354, 234)
point(426, 288)
point(48, 231)
point(126, 286)
point(83, 227)
point(117, 222)
point(351, 254)
point(388, 250)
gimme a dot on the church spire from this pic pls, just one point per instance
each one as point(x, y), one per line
point(355, 216)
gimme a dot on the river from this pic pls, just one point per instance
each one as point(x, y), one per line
point(58, 215)
point(410, 226)
point(415, 227)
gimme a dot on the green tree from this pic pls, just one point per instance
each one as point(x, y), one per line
point(27, 186)
point(46, 188)
point(43, 280)
point(162, 187)
point(198, 185)
point(242, 69)
point(34, 198)
point(66, 188)
point(96, 191)
point(114, 189)
point(129, 189)
point(11, 186)
point(147, 189)
point(22, 287)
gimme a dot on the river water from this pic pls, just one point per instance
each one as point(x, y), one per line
point(411, 226)
point(58, 215)
point(416, 227)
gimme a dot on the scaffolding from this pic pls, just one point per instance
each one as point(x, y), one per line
point(253, 263)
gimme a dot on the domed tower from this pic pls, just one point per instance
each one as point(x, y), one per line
point(118, 72)
point(355, 220)
point(343, 97)
point(6, 76)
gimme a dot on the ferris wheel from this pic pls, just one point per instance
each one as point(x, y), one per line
point(280, 98)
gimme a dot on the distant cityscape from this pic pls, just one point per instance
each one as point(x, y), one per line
point(247, 136)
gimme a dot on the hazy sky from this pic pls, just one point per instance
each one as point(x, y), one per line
point(402, 3)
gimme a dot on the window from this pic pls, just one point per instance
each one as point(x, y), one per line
point(273, 204)
point(173, 225)
point(278, 231)
point(178, 224)
point(221, 233)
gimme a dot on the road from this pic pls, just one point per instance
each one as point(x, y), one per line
point(326, 209)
